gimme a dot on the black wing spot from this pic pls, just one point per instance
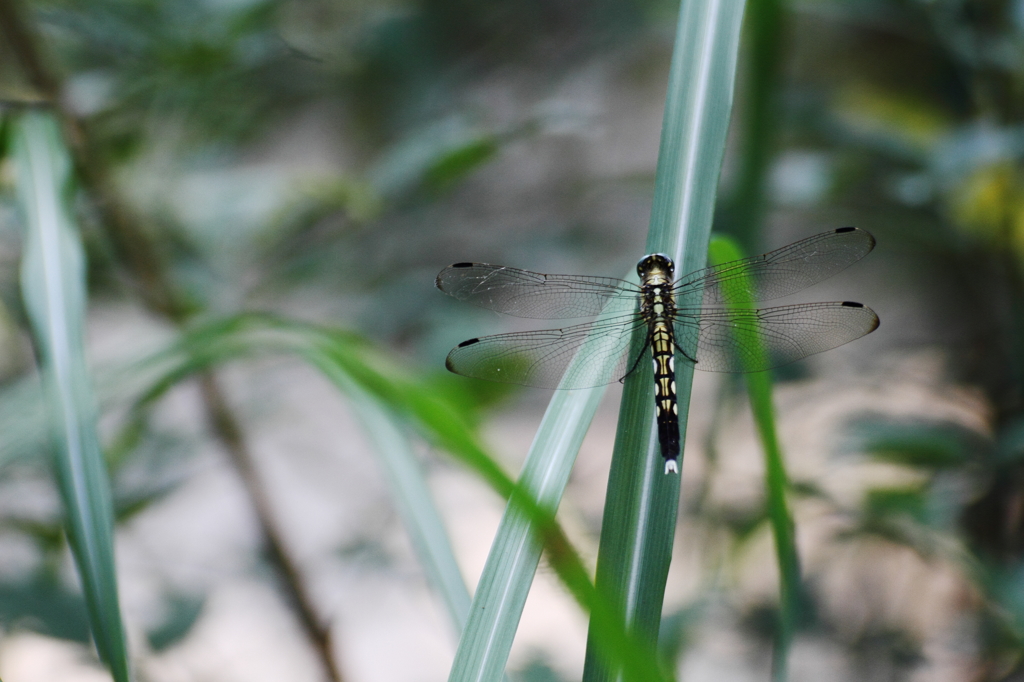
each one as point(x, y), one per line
point(463, 265)
point(469, 342)
point(846, 229)
point(853, 304)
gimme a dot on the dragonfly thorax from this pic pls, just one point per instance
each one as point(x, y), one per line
point(656, 273)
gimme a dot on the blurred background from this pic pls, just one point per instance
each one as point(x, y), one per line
point(324, 159)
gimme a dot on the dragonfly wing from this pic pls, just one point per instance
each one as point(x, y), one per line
point(531, 294)
point(777, 273)
point(545, 359)
point(749, 340)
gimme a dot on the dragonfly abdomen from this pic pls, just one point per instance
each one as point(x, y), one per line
point(665, 401)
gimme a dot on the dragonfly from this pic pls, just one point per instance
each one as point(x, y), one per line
point(704, 318)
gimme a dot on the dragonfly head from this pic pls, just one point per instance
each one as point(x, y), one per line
point(656, 265)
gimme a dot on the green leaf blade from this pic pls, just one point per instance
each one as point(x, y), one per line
point(420, 515)
point(515, 552)
point(54, 291)
point(641, 505)
point(759, 388)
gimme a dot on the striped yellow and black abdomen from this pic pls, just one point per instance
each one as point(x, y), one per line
point(666, 404)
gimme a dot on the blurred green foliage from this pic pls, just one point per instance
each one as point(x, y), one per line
point(343, 152)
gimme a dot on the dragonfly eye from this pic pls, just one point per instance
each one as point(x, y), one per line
point(656, 262)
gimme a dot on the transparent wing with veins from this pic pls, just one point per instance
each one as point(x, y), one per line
point(775, 274)
point(545, 358)
point(767, 338)
point(531, 294)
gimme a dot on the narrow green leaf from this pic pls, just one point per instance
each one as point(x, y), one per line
point(459, 162)
point(48, 605)
point(765, 29)
point(515, 552)
point(759, 388)
point(929, 445)
point(183, 610)
point(420, 515)
point(641, 505)
point(433, 157)
point(54, 291)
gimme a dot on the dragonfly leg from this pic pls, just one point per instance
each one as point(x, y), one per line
point(639, 357)
point(684, 353)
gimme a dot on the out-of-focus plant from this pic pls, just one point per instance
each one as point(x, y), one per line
point(206, 79)
point(901, 115)
point(913, 122)
point(53, 287)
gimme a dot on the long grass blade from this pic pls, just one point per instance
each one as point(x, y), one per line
point(765, 28)
point(641, 504)
point(515, 552)
point(415, 504)
point(759, 389)
point(54, 291)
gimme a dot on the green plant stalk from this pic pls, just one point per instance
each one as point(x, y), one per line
point(744, 213)
point(759, 390)
point(642, 501)
point(744, 208)
point(54, 290)
point(515, 551)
